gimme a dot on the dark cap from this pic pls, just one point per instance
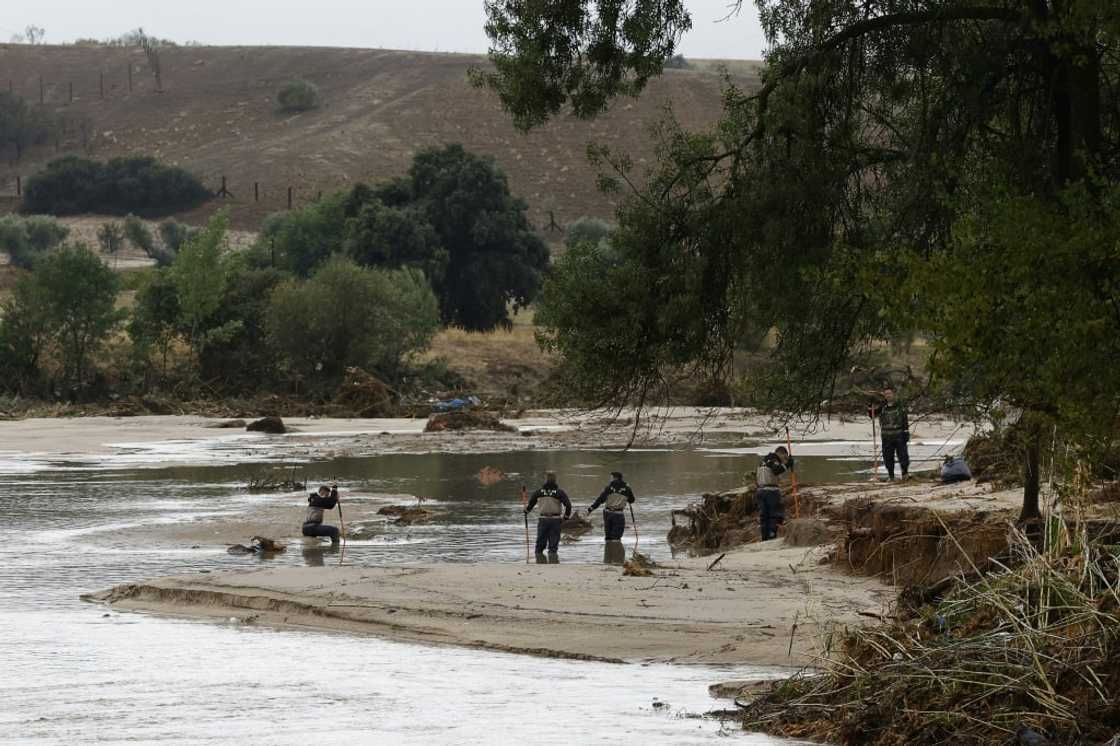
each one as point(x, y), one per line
point(616, 474)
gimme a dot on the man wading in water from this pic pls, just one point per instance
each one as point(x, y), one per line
point(771, 514)
point(325, 499)
point(551, 498)
point(614, 500)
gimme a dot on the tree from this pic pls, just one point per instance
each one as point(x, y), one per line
point(174, 234)
point(297, 95)
point(22, 125)
point(350, 316)
point(826, 202)
point(302, 239)
point(494, 258)
point(201, 274)
point(383, 236)
point(111, 237)
point(154, 325)
point(26, 240)
point(72, 185)
point(34, 34)
point(78, 295)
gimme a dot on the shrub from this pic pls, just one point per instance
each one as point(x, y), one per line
point(137, 184)
point(298, 95)
point(302, 239)
point(27, 239)
point(111, 237)
point(350, 316)
point(175, 234)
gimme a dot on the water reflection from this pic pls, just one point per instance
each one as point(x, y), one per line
point(316, 554)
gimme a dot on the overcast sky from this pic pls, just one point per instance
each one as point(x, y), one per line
point(429, 25)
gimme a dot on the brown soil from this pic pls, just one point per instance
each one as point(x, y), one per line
point(217, 117)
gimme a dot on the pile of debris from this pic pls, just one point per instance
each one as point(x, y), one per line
point(638, 566)
point(466, 419)
point(719, 521)
point(260, 545)
point(1028, 653)
point(406, 515)
point(575, 526)
point(362, 394)
point(489, 476)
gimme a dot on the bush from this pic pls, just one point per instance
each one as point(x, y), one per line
point(350, 316)
point(137, 184)
point(22, 125)
point(111, 237)
point(298, 95)
point(175, 234)
point(27, 239)
point(302, 239)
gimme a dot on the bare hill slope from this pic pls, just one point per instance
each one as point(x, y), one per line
point(217, 116)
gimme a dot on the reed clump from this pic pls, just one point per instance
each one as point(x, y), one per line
point(1031, 644)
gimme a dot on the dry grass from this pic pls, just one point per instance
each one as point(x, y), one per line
point(1033, 645)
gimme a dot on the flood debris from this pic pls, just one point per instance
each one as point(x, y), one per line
point(468, 419)
point(405, 515)
point(259, 478)
point(639, 566)
point(228, 424)
point(1032, 647)
point(270, 425)
point(362, 394)
point(576, 525)
point(260, 545)
point(717, 522)
point(489, 476)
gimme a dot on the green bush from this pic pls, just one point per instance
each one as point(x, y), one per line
point(27, 239)
point(111, 237)
point(136, 184)
point(298, 95)
point(347, 315)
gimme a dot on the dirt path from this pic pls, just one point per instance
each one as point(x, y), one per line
point(742, 612)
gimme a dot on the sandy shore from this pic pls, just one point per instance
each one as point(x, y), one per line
point(741, 612)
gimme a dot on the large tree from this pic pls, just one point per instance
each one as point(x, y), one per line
point(887, 143)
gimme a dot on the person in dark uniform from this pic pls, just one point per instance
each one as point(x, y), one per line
point(551, 499)
point(771, 514)
point(614, 499)
point(894, 430)
point(325, 499)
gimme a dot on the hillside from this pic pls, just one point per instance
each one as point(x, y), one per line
point(216, 116)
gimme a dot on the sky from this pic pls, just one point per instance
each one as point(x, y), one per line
point(426, 25)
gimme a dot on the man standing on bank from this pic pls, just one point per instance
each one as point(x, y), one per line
point(771, 514)
point(894, 428)
point(614, 500)
point(551, 499)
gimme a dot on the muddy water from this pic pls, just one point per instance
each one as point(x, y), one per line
point(74, 672)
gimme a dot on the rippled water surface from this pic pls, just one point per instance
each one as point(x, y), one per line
point(72, 672)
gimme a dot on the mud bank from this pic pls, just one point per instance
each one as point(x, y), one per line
point(741, 612)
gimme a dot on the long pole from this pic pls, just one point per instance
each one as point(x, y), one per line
point(342, 531)
point(634, 523)
point(793, 478)
point(524, 504)
point(874, 447)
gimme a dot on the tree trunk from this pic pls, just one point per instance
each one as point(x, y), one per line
point(1032, 480)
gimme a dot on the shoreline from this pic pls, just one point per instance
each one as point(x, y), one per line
point(683, 613)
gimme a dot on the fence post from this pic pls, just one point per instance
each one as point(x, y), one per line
point(19, 187)
point(256, 191)
point(289, 198)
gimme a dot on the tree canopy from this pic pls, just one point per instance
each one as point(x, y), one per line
point(876, 183)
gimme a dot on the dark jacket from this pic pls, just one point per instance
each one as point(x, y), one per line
point(551, 497)
point(771, 469)
point(616, 495)
point(894, 420)
point(316, 505)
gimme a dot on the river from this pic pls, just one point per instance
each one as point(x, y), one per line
point(75, 672)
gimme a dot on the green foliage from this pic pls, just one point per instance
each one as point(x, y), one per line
point(174, 234)
point(23, 125)
point(154, 325)
point(494, 259)
point(111, 236)
point(302, 239)
point(240, 356)
point(26, 240)
point(347, 315)
point(140, 235)
point(549, 54)
point(588, 230)
point(383, 236)
point(24, 334)
point(297, 95)
point(72, 185)
point(73, 295)
point(452, 217)
point(201, 274)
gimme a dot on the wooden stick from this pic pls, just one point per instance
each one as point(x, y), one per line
point(793, 478)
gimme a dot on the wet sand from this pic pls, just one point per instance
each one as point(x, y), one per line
point(741, 612)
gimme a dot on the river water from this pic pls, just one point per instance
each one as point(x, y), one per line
point(72, 672)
